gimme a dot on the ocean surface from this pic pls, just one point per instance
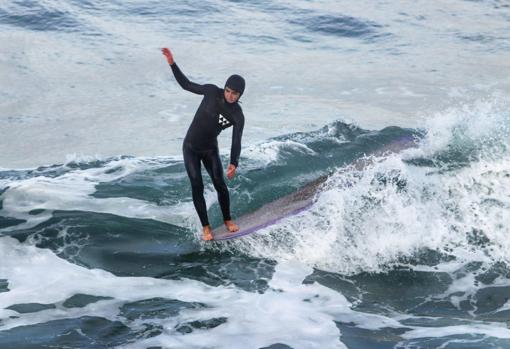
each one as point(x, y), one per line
point(100, 246)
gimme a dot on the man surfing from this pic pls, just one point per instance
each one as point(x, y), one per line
point(218, 110)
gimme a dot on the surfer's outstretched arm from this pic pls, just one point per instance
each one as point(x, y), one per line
point(180, 77)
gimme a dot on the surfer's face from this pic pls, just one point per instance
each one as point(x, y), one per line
point(231, 96)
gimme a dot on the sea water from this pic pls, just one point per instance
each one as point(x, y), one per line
point(100, 244)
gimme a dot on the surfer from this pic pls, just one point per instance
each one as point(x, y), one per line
point(218, 110)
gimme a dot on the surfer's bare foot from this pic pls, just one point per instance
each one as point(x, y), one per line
point(207, 233)
point(231, 226)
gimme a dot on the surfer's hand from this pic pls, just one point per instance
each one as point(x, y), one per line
point(231, 171)
point(168, 55)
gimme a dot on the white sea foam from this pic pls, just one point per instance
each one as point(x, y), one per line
point(290, 312)
point(72, 191)
point(491, 330)
point(269, 152)
point(474, 124)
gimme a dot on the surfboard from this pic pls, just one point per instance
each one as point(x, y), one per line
point(273, 212)
point(299, 201)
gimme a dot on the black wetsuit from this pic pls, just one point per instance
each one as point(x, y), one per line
point(201, 145)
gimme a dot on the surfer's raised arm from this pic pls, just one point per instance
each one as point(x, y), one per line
point(179, 75)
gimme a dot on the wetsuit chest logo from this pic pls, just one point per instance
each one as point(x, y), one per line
point(223, 121)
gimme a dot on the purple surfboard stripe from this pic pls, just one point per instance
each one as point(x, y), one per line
point(264, 225)
point(303, 194)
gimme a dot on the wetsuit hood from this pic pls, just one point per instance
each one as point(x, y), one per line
point(236, 83)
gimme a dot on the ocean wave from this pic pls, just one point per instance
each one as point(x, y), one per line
point(397, 207)
point(340, 25)
point(41, 16)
